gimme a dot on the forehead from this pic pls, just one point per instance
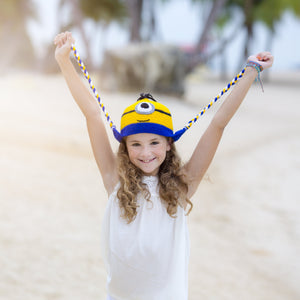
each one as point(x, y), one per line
point(145, 137)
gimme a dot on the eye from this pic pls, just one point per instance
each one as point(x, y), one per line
point(144, 108)
point(154, 143)
point(135, 144)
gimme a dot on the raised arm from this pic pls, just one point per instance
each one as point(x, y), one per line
point(207, 146)
point(102, 150)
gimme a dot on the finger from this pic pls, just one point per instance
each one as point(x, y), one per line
point(69, 38)
point(58, 38)
point(263, 56)
point(268, 58)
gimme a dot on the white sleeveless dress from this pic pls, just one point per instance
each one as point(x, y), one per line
point(148, 258)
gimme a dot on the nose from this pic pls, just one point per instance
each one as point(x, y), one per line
point(145, 153)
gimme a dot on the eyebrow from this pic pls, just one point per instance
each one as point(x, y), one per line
point(137, 141)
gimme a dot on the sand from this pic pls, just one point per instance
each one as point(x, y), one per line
point(244, 228)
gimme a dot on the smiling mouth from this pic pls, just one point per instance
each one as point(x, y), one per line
point(147, 161)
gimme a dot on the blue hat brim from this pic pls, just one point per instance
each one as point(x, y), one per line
point(147, 128)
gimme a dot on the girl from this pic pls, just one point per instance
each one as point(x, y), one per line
point(145, 235)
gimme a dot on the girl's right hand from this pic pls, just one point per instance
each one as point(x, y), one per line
point(63, 42)
point(265, 59)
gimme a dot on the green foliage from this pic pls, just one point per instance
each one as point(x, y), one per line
point(271, 11)
point(104, 10)
point(266, 11)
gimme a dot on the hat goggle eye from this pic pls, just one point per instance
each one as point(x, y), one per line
point(144, 108)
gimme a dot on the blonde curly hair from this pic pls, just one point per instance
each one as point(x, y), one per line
point(173, 187)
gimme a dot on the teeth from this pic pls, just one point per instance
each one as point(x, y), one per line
point(146, 161)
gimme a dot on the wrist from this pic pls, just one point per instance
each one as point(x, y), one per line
point(62, 59)
point(256, 68)
point(250, 72)
point(253, 64)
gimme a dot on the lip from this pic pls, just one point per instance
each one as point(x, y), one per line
point(147, 161)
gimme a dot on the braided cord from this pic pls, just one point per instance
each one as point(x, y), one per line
point(87, 76)
point(179, 132)
point(229, 85)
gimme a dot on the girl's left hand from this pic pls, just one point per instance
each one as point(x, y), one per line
point(265, 59)
point(63, 42)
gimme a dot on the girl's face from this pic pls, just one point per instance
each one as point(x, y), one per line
point(147, 151)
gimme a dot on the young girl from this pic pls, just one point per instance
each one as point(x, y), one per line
point(145, 235)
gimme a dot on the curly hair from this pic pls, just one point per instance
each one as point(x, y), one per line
point(173, 187)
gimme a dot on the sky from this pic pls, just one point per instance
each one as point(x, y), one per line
point(179, 22)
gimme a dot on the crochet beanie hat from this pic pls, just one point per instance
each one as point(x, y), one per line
point(147, 116)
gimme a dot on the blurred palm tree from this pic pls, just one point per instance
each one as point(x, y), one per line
point(142, 19)
point(18, 50)
point(214, 13)
point(213, 10)
point(268, 12)
point(102, 12)
point(271, 12)
point(135, 9)
point(221, 12)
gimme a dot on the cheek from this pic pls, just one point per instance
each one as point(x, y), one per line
point(132, 153)
point(162, 152)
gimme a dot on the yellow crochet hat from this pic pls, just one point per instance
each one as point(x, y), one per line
point(146, 116)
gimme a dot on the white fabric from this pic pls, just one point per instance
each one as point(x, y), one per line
point(148, 258)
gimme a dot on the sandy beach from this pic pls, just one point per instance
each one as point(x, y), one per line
point(245, 225)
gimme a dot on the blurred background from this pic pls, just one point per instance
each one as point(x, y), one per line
point(219, 34)
point(244, 228)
